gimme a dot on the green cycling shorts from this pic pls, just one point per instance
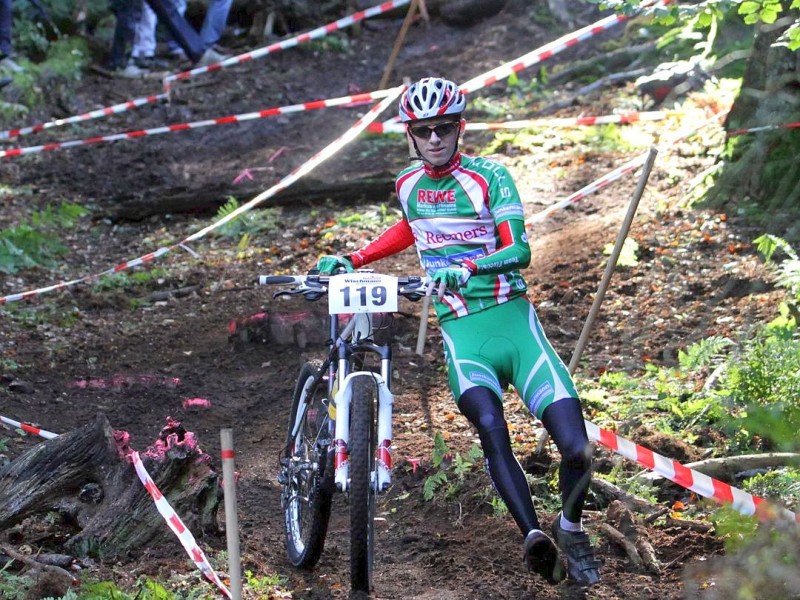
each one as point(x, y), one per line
point(502, 345)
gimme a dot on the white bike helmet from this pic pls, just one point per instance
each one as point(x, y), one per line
point(431, 97)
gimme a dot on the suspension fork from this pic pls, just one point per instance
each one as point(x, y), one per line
point(382, 477)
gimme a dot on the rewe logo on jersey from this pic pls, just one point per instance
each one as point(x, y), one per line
point(436, 196)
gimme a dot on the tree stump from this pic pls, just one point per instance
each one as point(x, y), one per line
point(87, 477)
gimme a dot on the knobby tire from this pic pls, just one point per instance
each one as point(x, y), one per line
point(306, 500)
point(363, 436)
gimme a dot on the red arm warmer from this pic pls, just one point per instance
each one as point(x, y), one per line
point(395, 239)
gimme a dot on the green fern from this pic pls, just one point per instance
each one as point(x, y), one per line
point(704, 353)
point(433, 483)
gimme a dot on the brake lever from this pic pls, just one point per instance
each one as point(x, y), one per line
point(293, 292)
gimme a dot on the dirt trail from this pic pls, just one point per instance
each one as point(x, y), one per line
point(446, 549)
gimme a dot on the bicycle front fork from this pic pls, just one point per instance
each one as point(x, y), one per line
point(382, 475)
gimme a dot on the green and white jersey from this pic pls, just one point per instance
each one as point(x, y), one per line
point(454, 213)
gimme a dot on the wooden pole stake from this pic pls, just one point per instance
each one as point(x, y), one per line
point(387, 71)
point(610, 266)
point(231, 515)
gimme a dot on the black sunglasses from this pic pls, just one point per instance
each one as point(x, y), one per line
point(441, 130)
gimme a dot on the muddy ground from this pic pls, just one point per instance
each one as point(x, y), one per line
point(136, 354)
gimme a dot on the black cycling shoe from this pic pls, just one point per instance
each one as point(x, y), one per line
point(540, 555)
point(582, 566)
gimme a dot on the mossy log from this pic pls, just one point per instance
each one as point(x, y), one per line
point(86, 476)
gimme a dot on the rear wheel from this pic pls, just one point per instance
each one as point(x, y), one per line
point(305, 500)
point(362, 491)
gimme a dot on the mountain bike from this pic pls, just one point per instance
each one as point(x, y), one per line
point(340, 426)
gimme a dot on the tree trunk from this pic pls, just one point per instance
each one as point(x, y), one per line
point(85, 476)
point(761, 167)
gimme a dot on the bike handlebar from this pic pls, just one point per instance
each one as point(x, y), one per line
point(313, 287)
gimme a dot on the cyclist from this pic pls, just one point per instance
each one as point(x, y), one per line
point(466, 219)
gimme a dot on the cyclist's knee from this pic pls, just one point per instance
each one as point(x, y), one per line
point(483, 409)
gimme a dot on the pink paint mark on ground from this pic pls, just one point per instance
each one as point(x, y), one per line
point(120, 381)
point(173, 438)
point(257, 319)
point(196, 403)
point(244, 174)
point(277, 153)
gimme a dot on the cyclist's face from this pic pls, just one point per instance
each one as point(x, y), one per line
point(436, 138)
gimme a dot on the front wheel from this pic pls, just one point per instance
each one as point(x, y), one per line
point(363, 437)
point(305, 500)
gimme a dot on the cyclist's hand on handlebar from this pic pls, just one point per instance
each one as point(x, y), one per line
point(329, 264)
point(450, 278)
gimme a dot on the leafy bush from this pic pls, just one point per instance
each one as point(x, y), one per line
point(35, 244)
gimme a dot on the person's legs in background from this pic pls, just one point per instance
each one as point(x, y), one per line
point(180, 30)
point(5, 29)
point(173, 48)
point(6, 47)
point(214, 22)
point(128, 14)
point(144, 39)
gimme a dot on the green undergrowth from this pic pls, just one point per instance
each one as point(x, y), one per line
point(726, 397)
point(35, 242)
point(18, 586)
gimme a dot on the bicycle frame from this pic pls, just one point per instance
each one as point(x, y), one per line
point(340, 432)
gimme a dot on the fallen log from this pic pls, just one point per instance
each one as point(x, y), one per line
point(177, 200)
point(85, 475)
point(727, 468)
point(624, 528)
point(607, 492)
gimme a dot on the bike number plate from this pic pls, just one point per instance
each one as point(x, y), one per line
point(362, 293)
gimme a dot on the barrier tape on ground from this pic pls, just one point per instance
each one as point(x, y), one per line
point(309, 165)
point(734, 132)
point(248, 56)
point(708, 487)
point(28, 428)
point(268, 112)
point(94, 114)
point(284, 183)
point(176, 525)
point(612, 176)
point(283, 45)
point(544, 52)
point(622, 119)
point(687, 478)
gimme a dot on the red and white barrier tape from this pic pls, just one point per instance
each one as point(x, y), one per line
point(29, 428)
point(283, 45)
point(95, 114)
point(622, 119)
point(355, 99)
point(124, 106)
point(284, 183)
point(692, 480)
point(612, 176)
point(544, 52)
point(309, 165)
point(735, 132)
point(687, 478)
point(176, 525)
